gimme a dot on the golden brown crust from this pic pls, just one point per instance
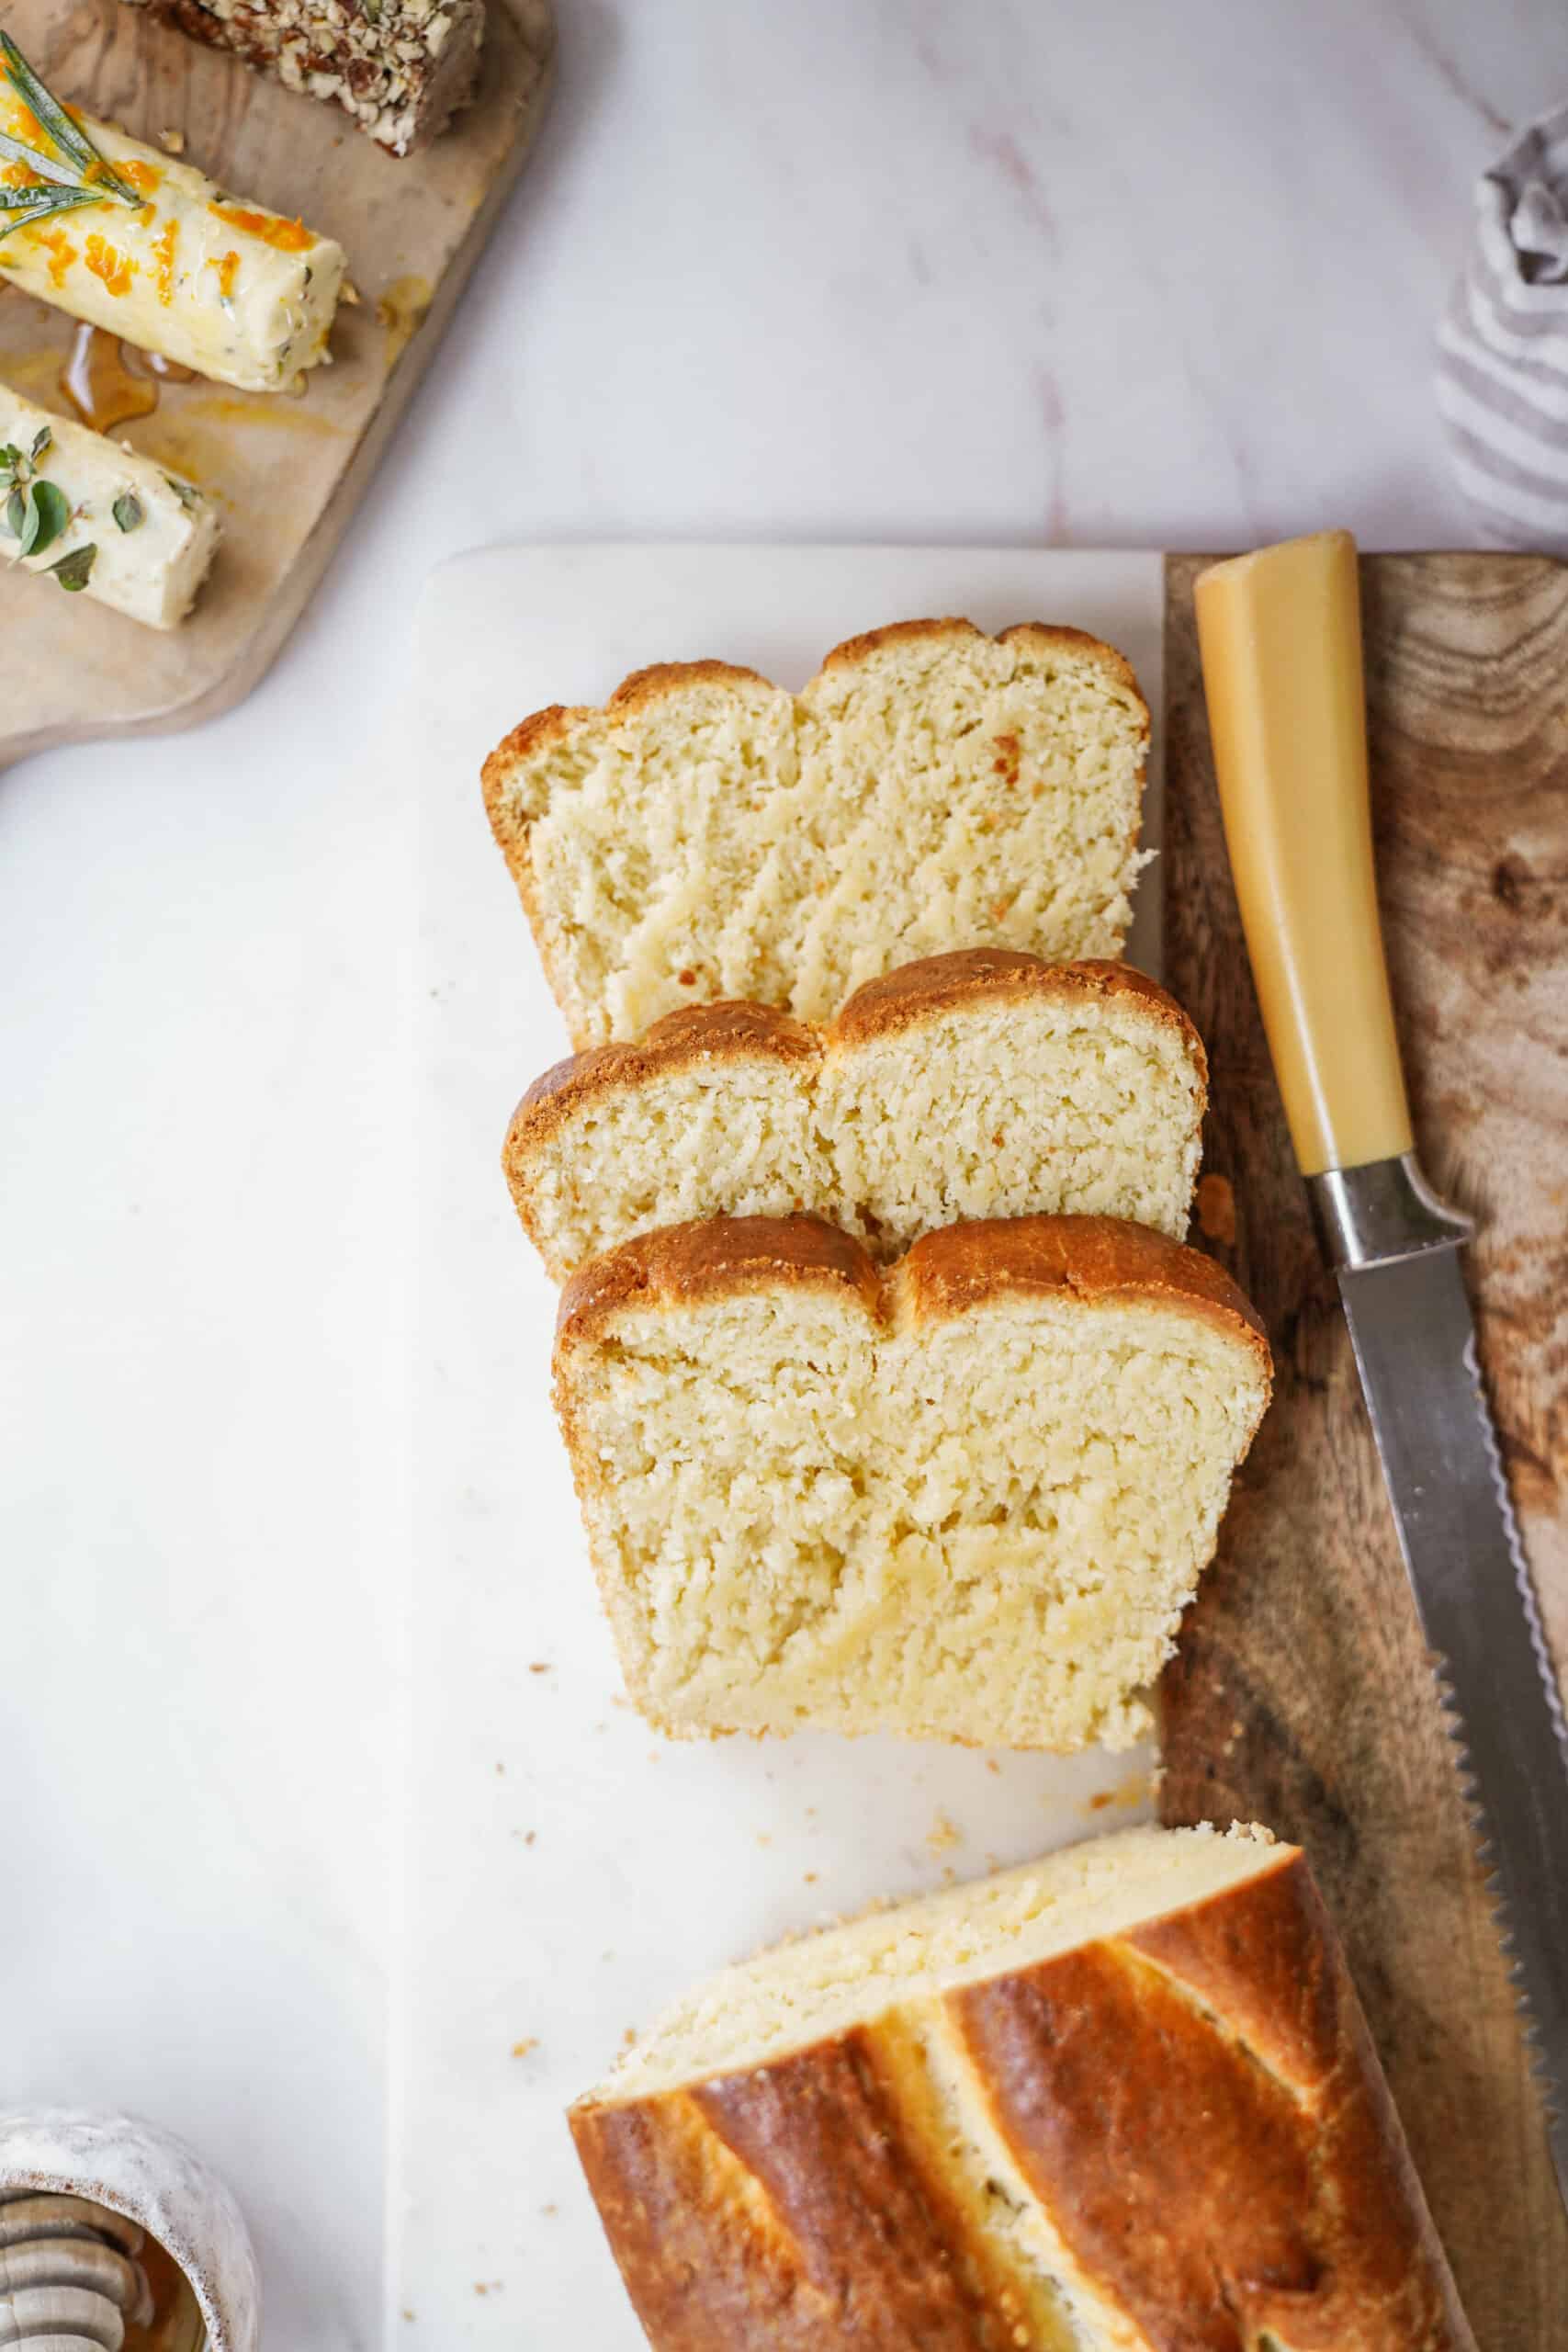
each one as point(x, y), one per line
point(732, 1029)
point(1047, 636)
point(1215, 2196)
point(871, 641)
point(1042, 637)
point(1202, 2195)
point(713, 1258)
point(661, 679)
point(1102, 1261)
point(765, 2212)
point(937, 984)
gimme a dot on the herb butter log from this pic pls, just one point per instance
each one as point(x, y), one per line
point(226, 288)
point(1120, 2100)
point(101, 517)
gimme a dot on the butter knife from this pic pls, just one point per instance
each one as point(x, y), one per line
point(1279, 635)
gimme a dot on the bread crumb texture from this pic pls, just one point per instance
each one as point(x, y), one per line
point(983, 1083)
point(1119, 2100)
point(709, 836)
point(966, 1499)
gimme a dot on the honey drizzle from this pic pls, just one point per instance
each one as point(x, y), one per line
point(98, 384)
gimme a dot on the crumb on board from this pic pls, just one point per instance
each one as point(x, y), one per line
point(539, 1665)
point(521, 2049)
point(628, 2039)
point(764, 1837)
point(549, 2209)
point(1134, 1790)
point(944, 1834)
point(489, 2286)
point(173, 142)
point(501, 1767)
point(1216, 1209)
point(992, 1766)
point(810, 1879)
point(349, 292)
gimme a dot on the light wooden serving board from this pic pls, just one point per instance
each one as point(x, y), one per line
point(288, 472)
point(1301, 1695)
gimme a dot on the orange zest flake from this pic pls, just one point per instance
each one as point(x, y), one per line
point(106, 261)
point(227, 267)
point(19, 175)
point(142, 177)
point(62, 254)
point(287, 236)
point(23, 124)
point(164, 245)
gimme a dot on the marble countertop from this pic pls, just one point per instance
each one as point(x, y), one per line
point(1123, 277)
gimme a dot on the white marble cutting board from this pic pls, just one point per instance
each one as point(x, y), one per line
point(567, 1869)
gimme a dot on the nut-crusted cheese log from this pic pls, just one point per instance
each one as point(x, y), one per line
point(708, 835)
point(154, 534)
point(1120, 2100)
point(979, 1084)
point(964, 1499)
point(400, 68)
point(224, 287)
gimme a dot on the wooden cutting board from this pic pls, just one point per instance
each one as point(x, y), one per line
point(1301, 1695)
point(289, 472)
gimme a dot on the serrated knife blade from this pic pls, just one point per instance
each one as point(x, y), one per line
point(1415, 1340)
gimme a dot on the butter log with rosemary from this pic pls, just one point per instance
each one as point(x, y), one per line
point(106, 229)
point(100, 518)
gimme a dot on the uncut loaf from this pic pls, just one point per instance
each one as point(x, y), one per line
point(980, 1084)
point(709, 836)
point(1120, 2100)
point(967, 1499)
point(399, 68)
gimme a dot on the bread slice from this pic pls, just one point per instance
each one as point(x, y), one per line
point(709, 836)
point(980, 1084)
point(1120, 2100)
point(964, 1499)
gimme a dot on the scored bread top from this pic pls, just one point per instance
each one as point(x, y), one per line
point(1174, 2133)
point(707, 834)
point(979, 1083)
point(1097, 1260)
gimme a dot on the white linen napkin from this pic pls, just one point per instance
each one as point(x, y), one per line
point(1503, 346)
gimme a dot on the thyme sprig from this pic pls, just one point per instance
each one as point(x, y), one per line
point(72, 175)
point(35, 512)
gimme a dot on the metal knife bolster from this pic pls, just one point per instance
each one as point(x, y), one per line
point(1376, 1215)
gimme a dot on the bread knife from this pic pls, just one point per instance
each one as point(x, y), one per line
point(1279, 635)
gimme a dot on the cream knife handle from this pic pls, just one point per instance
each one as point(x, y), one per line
point(1279, 633)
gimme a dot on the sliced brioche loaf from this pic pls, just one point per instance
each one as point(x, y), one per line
point(980, 1084)
point(1120, 2100)
point(709, 836)
point(966, 1500)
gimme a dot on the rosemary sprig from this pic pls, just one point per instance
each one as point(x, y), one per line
point(74, 174)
